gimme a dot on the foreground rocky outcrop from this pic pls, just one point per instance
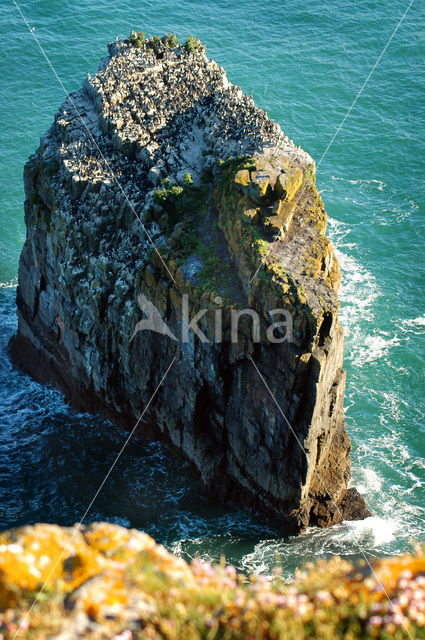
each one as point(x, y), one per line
point(160, 182)
point(104, 581)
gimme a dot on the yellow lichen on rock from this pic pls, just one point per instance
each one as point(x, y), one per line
point(242, 178)
point(287, 184)
point(30, 556)
point(251, 216)
point(43, 554)
point(110, 596)
point(388, 570)
point(259, 189)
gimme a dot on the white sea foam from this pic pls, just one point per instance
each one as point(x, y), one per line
point(370, 481)
point(396, 214)
point(393, 407)
point(358, 294)
point(413, 325)
point(362, 182)
point(372, 531)
point(359, 288)
point(350, 538)
point(364, 193)
point(371, 348)
point(263, 557)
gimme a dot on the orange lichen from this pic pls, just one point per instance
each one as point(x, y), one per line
point(388, 571)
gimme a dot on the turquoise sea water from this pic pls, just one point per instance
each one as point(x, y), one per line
point(304, 62)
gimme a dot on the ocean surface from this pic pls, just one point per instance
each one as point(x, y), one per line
point(304, 63)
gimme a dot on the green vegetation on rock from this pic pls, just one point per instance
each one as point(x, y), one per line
point(154, 42)
point(137, 39)
point(183, 209)
point(192, 44)
point(211, 274)
point(181, 202)
point(171, 40)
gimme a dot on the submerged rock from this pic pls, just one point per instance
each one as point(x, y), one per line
point(161, 187)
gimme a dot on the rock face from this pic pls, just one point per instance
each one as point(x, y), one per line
point(160, 185)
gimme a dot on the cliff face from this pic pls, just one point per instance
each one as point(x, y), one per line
point(104, 581)
point(160, 185)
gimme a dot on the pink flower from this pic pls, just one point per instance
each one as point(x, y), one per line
point(281, 601)
point(302, 610)
point(399, 619)
point(230, 570)
point(124, 635)
point(403, 600)
point(323, 596)
point(407, 574)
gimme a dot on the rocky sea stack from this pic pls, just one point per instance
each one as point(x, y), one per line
point(160, 185)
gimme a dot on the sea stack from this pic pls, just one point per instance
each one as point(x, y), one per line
point(161, 191)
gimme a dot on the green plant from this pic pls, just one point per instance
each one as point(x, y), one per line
point(154, 42)
point(137, 39)
point(330, 599)
point(160, 196)
point(171, 40)
point(207, 175)
point(168, 198)
point(189, 240)
point(192, 44)
point(175, 191)
point(211, 273)
point(181, 202)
